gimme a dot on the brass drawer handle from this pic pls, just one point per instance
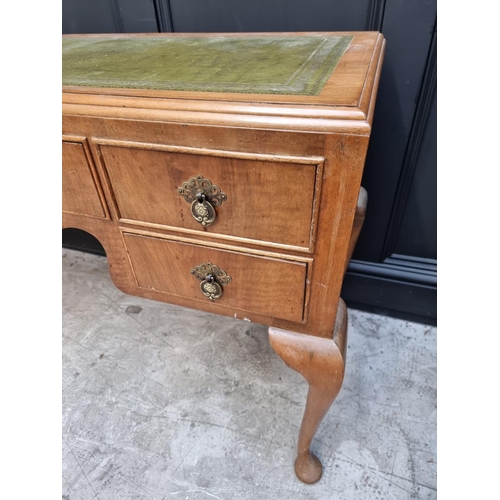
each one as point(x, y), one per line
point(212, 279)
point(203, 196)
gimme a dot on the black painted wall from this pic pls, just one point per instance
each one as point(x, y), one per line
point(394, 269)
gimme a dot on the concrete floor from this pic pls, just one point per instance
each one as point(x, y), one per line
point(162, 402)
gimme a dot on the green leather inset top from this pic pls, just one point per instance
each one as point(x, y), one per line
point(273, 64)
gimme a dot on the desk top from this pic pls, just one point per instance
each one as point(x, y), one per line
point(318, 75)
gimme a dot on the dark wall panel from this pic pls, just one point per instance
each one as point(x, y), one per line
point(408, 28)
point(268, 15)
point(395, 298)
point(90, 16)
point(417, 233)
point(108, 16)
point(138, 16)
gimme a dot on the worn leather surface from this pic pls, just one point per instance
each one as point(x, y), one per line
point(290, 65)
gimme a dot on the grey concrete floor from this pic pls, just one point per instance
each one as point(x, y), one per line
point(162, 402)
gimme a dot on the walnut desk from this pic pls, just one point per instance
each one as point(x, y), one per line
point(222, 172)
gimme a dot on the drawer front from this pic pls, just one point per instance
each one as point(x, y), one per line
point(259, 284)
point(80, 192)
point(263, 200)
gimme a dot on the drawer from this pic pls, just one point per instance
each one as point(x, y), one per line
point(260, 284)
point(265, 198)
point(80, 189)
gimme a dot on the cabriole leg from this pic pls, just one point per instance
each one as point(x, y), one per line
point(321, 362)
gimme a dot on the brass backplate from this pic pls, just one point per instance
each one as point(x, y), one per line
point(212, 279)
point(201, 185)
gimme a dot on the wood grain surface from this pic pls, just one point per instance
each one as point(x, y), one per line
point(81, 193)
point(259, 284)
point(270, 201)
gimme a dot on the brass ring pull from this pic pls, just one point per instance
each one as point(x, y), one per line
point(203, 196)
point(212, 279)
point(202, 211)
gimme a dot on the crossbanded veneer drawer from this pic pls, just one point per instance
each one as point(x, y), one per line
point(80, 188)
point(270, 200)
point(259, 284)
